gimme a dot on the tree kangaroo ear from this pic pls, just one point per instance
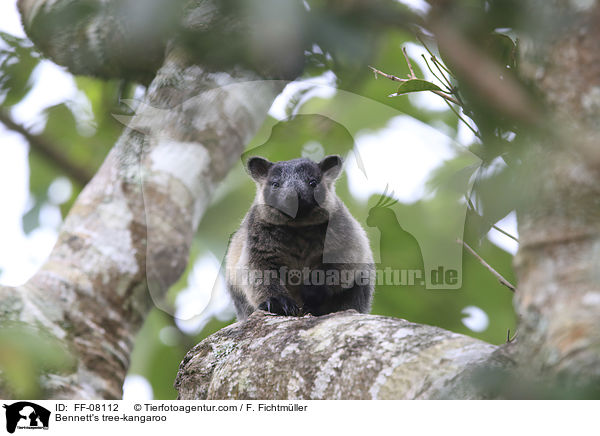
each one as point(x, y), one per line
point(258, 167)
point(331, 167)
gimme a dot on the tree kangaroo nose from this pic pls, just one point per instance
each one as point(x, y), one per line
point(304, 204)
point(287, 202)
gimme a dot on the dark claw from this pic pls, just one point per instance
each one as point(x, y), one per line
point(280, 305)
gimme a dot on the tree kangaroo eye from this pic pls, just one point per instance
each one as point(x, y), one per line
point(275, 185)
point(313, 183)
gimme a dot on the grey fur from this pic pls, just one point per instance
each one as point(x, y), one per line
point(297, 223)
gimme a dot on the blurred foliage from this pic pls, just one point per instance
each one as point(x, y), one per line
point(273, 36)
point(351, 42)
point(17, 62)
point(25, 355)
point(83, 138)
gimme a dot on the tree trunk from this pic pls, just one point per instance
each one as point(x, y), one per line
point(559, 226)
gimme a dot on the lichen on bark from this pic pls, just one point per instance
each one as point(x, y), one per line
point(344, 355)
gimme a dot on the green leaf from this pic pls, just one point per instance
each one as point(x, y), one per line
point(502, 48)
point(416, 85)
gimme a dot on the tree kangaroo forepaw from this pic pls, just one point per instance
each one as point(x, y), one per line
point(280, 305)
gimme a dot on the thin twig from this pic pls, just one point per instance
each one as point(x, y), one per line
point(435, 75)
point(505, 233)
point(388, 76)
point(487, 266)
point(437, 65)
point(433, 56)
point(509, 339)
point(49, 150)
point(472, 207)
point(442, 66)
point(446, 97)
point(398, 79)
point(410, 68)
point(424, 45)
point(475, 132)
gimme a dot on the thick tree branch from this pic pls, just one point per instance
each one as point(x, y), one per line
point(114, 39)
point(338, 356)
